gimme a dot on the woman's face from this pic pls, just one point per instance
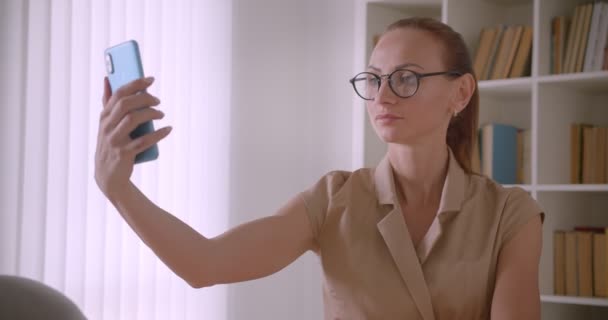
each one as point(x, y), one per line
point(425, 116)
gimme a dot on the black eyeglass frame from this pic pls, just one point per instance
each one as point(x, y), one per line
point(390, 83)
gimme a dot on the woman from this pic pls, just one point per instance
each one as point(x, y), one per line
point(418, 237)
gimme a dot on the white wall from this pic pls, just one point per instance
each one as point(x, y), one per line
point(291, 121)
point(12, 49)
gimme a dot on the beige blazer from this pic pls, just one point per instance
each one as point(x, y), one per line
point(372, 269)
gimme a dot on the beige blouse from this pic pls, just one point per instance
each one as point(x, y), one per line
point(371, 268)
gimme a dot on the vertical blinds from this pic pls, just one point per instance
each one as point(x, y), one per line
point(55, 224)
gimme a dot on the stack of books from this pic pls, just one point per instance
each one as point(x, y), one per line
point(503, 52)
point(579, 262)
point(505, 153)
point(588, 154)
point(579, 44)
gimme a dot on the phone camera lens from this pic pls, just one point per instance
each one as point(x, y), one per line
point(109, 66)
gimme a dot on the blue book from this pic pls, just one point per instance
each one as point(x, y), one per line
point(499, 152)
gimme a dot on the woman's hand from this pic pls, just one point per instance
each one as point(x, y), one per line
point(122, 112)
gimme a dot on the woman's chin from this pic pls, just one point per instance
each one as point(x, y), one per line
point(394, 138)
point(398, 136)
point(387, 134)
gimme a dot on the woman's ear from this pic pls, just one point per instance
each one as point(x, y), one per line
point(464, 91)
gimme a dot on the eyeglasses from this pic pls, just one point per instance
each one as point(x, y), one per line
point(403, 82)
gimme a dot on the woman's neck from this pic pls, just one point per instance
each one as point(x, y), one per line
point(420, 172)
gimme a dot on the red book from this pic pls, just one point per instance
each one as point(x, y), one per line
point(590, 229)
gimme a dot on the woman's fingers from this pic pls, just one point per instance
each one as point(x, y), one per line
point(144, 142)
point(126, 109)
point(126, 106)
point(132, 121)
point(129, 97)
point(129, 89)
point(107, 92)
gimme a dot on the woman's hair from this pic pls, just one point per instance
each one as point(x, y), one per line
point(462, 130)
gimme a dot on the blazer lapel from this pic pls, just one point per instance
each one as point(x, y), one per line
point(398, 240)
point(393, 229)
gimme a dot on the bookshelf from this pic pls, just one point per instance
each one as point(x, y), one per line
point(572, 187)
point(542, 102)
point(576, 300)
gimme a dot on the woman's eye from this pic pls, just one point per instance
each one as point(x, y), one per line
point(407, 80)
point(372, 81)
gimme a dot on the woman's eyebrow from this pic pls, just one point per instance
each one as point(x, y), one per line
point(405, 65)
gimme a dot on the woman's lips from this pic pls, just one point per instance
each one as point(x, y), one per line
point(387, 118)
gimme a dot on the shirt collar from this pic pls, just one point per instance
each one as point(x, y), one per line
point(452, 194)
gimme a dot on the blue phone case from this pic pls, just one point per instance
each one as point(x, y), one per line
point(123, 65)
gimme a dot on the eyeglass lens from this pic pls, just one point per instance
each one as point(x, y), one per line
point(404, 83)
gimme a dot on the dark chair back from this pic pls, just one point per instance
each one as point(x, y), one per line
point(22, 298)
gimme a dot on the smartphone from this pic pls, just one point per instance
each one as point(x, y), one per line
point(123, 65)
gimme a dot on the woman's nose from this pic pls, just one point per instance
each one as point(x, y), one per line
point(385, 93)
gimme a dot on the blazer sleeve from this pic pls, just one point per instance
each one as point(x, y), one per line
point(318, 198)
point(519, 209)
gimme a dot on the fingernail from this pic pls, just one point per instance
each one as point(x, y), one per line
point(149, 80)
point(156, 100)
point(168, 129)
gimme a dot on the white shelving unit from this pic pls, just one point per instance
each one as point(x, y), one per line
point(576, 300)
point(547, 104)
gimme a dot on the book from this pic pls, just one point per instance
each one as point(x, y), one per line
point(524, 51)
point(584, 243)
point(499, 152)
point(503, 53)
point(576, 152)
point(564, 24)
point(592, 256)
point(571, 263)
point(601, 47)
point(584, 35)
point(486, 39)
point(559, 262)
point(589, 229)
point(513, 46)
point(524, 157)
point(489, 67)
point(592, 39)
point(600, 285)
point(570, 46)
point(578, 37)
